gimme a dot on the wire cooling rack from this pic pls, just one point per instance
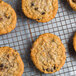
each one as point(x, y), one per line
point(27, 30)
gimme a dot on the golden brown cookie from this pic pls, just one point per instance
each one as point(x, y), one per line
point(11, 63)
point(74, 41)
point(72, 4)
point(48, 53)
point(40, 10)
point(7, 18)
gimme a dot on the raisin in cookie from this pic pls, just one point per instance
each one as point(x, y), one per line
point(11, 63)
point(72, 4)
point(7, 18)
point(40, 10)
point(74, 41)
point(48, 53)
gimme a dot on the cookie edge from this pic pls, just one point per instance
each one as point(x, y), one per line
point(74, 41)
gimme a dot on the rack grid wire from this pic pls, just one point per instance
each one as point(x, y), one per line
point(27, 30)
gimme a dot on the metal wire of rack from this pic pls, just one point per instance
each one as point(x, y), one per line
point(27, 30)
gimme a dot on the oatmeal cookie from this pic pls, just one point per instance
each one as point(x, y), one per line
point(7, 18)
point(48, 53)
point(11, 63)
point(40, 10)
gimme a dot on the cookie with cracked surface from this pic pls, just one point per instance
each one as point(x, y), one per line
point(48, 53)
point(11, 63)
point(40, 10)
point(72, 4)
point(74, 41)
point(7, 18)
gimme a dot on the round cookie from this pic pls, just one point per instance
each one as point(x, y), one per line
point(11, 63)
point(48, 53)
point(7, 18)
point(72, 4)
point(74, 41)
point(40, 10)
